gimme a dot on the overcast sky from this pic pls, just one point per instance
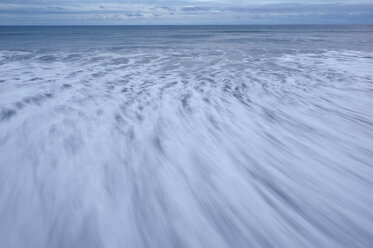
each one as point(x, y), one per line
point(62, 12)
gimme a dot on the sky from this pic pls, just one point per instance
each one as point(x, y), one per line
point(145, 12)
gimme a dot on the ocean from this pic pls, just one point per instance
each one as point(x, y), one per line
point(186, 136)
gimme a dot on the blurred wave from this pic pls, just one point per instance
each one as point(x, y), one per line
point(177, 147)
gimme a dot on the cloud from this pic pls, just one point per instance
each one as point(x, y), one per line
point(195, 9)
point(183, 12)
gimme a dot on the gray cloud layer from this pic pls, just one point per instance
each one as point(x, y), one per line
point(183, 12)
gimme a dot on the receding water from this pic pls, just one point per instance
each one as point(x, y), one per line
point(186, 136)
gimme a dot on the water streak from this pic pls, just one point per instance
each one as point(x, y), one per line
point(220, 146)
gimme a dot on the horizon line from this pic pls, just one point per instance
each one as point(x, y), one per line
point(134, 25)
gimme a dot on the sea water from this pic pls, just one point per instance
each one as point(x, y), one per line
point(186, 136)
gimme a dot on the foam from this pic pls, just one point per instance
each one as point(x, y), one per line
point(171, 148)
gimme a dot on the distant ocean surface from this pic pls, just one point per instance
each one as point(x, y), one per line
point(186, 136)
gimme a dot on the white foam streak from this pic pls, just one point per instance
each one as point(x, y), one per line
point(178, 148)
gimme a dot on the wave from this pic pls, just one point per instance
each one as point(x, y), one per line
point(173, 148)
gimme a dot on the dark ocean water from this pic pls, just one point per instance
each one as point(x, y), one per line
point(186, 136)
